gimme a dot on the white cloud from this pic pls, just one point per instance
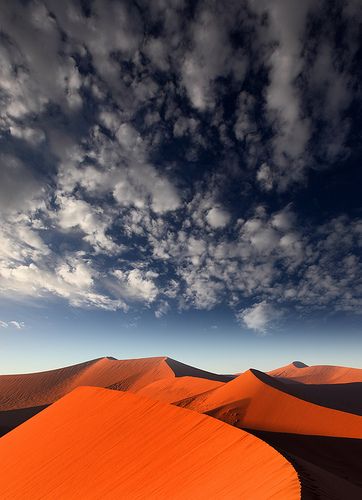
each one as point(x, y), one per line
point(217, 217)
point(259, 316)
point(85, 180)
point(76, 213)
point(284, 220)
point(137, 285)
point(209, 57)
point(162, 309)
point(19, 325)
point(265, 177)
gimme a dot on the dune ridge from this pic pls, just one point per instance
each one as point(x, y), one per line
point(165, 379)
point(43, 388)
point(249, 401)
point(318, 374)
point(98, 443)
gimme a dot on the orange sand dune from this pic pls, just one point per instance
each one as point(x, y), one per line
point(37, 389)
point(34, 389)
point(172, 390)
point(249, 401)
point(319, 374)
point(344, 397)
point(98, 443)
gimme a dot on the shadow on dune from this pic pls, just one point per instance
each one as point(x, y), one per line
point(182, 370)
point(343, 397)
point(10, 419)
point(328, 467)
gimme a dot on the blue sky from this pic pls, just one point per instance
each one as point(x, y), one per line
point(180, 179)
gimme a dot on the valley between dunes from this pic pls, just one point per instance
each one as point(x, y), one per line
point(157, 428)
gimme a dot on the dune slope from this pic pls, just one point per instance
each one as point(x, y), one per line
point(98, 443)
point(249, 401)
point(35, 389)
point(43, 388)
point(344, 397)
point(318, 374)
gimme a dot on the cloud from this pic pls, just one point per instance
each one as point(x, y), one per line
point(19, 186)
point(162, 309)
point(75, 213)
point(16, 324)
point(137, 285)
point(265, 177)
point(19, 325)
point(217, 217)
point(145, 149)
point(259, 316)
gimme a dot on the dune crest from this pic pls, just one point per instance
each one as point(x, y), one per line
point(24, 395)
point(249, 401)
point(318, 374)
point(43, 388)
point(97, 443)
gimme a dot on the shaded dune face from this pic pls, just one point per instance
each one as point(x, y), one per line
point(249, 401)
point(330, 468)
point(98, 443)
point(346, 397)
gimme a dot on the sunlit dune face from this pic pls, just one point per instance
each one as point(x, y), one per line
point(97, 443)
point(249, 401)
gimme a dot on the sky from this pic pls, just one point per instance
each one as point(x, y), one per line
point(180, 178)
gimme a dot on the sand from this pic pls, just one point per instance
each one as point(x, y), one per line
point(318, 374)
point(344, 397)
point(99, 443)
point(43, 388)
point(249, 401)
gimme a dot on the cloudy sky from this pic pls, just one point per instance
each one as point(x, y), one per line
point(179, 177)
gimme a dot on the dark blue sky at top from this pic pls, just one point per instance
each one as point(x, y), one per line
point(183, 167)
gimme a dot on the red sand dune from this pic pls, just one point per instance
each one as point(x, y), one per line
point(248, 401)
point(98, 443)
point(319, 374)
point(344, 397)
point(22, 396)
point(35, 389)
point(172, 390)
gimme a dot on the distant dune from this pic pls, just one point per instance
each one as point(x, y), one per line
point(250, 401)
point(98, 443)
point(319, 374)
point(24, 395)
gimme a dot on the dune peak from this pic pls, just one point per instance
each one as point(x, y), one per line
point(299, 364)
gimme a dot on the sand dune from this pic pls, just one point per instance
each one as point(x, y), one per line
point(43, 388)
point(319, 374)
point(98, 443)
point(249, 401)
point(164, 379)
point(344, 397)
point(34, 389)
point(172, 390)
